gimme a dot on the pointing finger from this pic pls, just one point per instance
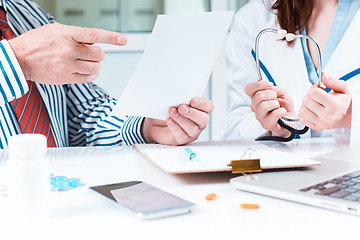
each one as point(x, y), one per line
point(92, 35)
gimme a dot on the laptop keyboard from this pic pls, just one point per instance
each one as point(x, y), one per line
point(345, 187)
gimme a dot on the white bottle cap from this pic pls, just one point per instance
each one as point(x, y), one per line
point(27, 145)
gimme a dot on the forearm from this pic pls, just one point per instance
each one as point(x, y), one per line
point(90, 121)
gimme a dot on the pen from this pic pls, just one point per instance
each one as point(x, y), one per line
point(192, 155)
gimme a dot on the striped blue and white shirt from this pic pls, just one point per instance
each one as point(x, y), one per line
point(79, 113)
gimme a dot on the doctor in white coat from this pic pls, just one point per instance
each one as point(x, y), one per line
point(289, 71)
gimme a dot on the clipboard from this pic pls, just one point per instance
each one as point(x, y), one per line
point(216, 156)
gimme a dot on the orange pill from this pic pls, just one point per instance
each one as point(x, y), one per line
point(210, 196)
point(249, 206)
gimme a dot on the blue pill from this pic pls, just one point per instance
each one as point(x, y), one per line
point(60, 183)
point(74, 182)
point(60, 178)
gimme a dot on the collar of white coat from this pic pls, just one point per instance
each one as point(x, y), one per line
point(345, 60)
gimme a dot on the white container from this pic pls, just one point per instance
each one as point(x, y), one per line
point(28, 178)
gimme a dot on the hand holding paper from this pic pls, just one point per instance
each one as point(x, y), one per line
point(183, 126)
point(173, 74)
point(176, 64)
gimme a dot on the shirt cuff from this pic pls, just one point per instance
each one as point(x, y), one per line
point(131, 131)
point(12, 80)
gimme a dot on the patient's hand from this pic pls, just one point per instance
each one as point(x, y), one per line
point(60, 54)
point(184, 125)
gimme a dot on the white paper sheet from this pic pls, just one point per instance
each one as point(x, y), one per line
point(176, 64)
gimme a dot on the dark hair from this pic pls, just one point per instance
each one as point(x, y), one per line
point(293, 15)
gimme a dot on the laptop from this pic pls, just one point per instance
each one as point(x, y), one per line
point(334, 185)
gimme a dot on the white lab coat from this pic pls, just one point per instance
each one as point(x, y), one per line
point(287, 67)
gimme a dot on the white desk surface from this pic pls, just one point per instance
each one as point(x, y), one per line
point(82, 214)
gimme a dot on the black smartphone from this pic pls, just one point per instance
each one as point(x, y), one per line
point(144, 200)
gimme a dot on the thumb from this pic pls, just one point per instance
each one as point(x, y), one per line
point(336, 85)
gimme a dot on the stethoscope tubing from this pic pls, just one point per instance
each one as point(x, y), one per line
point(298, 36)
point(292, 130)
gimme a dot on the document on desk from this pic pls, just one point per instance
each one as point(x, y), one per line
point(214, 156)
point(176, 65)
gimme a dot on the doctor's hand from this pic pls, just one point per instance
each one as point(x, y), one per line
point(269, 103)
point(321, 110)
point(60, 54)
point(184, 125)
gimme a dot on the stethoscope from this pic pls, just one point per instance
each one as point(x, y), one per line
point(283, 34)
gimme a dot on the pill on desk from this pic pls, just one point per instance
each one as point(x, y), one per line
point(249, 206)
point(74, 182)
point(210, 196)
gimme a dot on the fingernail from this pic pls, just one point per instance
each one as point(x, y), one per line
point(269, 84)
point(195, 103)
point(174, 113)
point(121, 40)
point(184, 110)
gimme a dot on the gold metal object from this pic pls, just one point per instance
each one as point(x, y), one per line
point(249, 165)
point(245, 165)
